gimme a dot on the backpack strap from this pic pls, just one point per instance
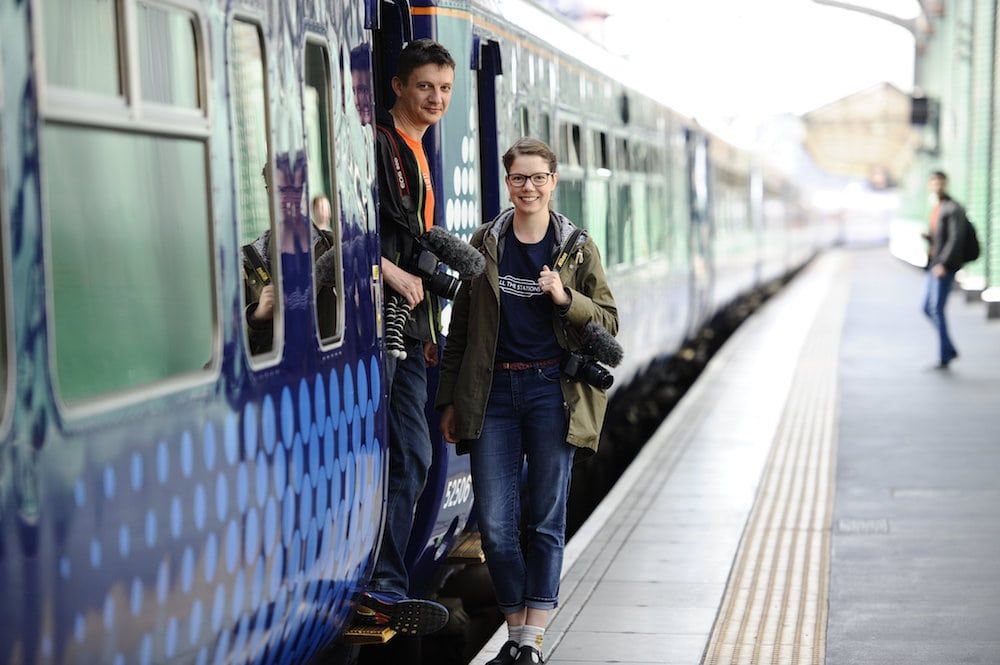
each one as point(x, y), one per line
point(568, 248)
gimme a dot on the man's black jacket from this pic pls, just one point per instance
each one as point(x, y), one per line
point(949, 237)
point(401, 215)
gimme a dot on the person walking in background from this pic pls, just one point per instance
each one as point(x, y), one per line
point(947, 240)
point(502, 390)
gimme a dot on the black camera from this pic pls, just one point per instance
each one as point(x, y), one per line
point(426, 265)
point(586, 368)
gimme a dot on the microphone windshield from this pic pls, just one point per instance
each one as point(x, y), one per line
point(602, 344)
point(457, 254)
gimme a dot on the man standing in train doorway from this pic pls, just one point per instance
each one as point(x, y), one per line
point(423, 87)
point(946, 234)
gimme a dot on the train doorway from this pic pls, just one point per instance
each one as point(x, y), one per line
point(490, 67)
point(394, 30)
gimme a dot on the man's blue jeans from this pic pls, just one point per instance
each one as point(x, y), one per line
point(525, 417)
point(409, 460)
point(936, 290)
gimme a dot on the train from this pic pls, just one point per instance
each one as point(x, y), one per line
point(168, 494)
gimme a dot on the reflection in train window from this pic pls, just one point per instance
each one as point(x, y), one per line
point(130, 258)
point(524, 123)
point(81, 45)
point(168, 57)
point(325, 229)
point(252, 173)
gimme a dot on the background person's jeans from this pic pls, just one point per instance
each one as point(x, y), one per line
point(936, 290)
point(409, 460)
point(525, 416)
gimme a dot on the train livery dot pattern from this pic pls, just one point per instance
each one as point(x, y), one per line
point(260, 519)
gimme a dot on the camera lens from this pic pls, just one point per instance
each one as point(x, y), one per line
point(596, 375)
point(442, 284)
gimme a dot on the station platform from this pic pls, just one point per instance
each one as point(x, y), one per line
point(820, 495)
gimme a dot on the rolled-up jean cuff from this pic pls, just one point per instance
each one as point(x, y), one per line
point(537, 604)
point(511, 609)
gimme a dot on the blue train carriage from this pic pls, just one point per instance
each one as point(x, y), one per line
point(169, 491)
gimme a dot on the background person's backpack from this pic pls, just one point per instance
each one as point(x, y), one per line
point(970, 244)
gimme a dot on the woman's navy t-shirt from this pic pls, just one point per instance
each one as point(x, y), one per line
point(525, 312)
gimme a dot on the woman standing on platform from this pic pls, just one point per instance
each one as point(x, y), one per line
point(503, 396)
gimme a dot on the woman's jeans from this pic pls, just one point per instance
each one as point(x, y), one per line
point(525, 417)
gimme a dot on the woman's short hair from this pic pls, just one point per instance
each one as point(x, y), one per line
point(529, 146)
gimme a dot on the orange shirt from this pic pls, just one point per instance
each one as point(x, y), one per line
point(935, 213)
point(425, 172)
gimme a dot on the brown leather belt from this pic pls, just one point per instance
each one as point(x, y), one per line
point(521, 366)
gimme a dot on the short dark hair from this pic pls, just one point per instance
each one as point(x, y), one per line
point(940, 175)
point(422, 52)
point(529, 146)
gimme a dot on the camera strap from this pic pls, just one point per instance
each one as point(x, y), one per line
point(397, 166)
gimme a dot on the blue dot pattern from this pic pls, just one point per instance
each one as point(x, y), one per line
point(238, 539)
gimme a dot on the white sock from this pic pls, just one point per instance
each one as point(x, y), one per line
point(514, 633)
point(532, 636)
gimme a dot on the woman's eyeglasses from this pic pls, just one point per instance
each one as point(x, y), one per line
point(537, 179)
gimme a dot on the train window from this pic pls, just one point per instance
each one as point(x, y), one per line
point(127, 215)
point(524, 122)
point(130, 260)
point(569, 144)
point(81, 45)
point(4, 319)
point(600, 147)
point(253, 175)
point(619, 232)
point(168, 55)
point(545, 129)
point(328, 274)
point(623, 156)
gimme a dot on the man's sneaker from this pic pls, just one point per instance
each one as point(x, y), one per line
point(507, 655)
point(528, 656)
point(408, 616)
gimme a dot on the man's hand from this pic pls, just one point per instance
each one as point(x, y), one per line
point(409, 286)
point(448, 424)
point(265, 306)
point(938, 270)
point(430, 354)
point(550, 283)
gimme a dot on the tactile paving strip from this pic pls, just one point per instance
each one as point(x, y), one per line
point(775, 607)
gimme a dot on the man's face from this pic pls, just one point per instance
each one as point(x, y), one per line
point(425, 95)
point(937, 186)
point(361, 81)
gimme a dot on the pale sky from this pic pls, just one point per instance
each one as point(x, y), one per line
point(717, 59)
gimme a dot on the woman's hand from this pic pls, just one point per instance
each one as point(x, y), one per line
point(448, 424)
point(550, 283)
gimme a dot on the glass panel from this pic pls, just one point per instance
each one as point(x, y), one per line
point(131, 258)
point(570, 200)
point(3, 292)
point(81, 45)
point(250, 162)
point(328, 281)
point(168, 57)
point(545, 131)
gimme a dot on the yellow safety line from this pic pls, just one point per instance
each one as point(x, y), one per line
point(775, 607)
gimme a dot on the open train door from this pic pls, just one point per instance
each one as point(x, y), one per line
point(488, 66)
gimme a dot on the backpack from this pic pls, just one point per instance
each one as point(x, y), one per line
point(970, 243)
